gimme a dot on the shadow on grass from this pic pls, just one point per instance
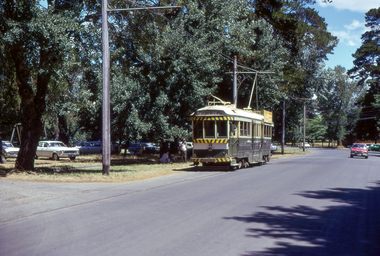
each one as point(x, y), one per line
point(82, 164)
point(350, 227)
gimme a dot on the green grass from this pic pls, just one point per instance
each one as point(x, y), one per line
point(288, 151)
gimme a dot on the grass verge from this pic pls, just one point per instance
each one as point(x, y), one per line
point(124, 168)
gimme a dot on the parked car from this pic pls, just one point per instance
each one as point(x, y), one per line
point(95, 147)
point(91, 147)
point(143, 148)
point(55, 150)
point(79, 144)
point(273, 147)
point(135, 148)
point(359, 149)
point(374, 147)
point(150, 148)
point(307, 145)
point(8, 149)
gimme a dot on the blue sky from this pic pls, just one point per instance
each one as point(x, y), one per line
point(345, 20)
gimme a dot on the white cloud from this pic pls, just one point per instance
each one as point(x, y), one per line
point(349, 37)
point(355, 24)
point(351, 43)
point(361, 6)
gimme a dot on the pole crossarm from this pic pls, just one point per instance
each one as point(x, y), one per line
point(295, 98)
point(143, 8)
point(106, 116)
point(252, 72)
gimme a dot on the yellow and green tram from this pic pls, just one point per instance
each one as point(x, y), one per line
point(225, 135)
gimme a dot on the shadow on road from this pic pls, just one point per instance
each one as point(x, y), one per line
point(352, 228)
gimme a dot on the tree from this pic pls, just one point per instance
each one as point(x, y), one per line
point(35, 42)
point(301, 31)
point(366, 72)
point(163, 64)
point(173, 63)
point(337, 101)
point(316, 128)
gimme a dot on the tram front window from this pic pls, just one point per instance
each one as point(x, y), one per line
point(209, 129)
point(198, 129)
point(221, 128)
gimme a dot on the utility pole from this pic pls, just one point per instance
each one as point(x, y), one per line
point(283, 127)
point(106, 125)
point(106, 122)
point(304, 125)
point(304, 118)
point(234, 94)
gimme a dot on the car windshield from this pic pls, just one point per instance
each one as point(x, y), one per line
point(358, 146)
point(7, 144)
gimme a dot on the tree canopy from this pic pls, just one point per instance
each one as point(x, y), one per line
point(366, 72)
point(163, 64)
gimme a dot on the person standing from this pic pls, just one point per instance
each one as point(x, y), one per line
point(183, 150)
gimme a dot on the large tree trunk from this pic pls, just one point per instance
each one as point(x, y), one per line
point(32, 107)
point(2, 157)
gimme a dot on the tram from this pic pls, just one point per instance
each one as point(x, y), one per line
point(225, 135)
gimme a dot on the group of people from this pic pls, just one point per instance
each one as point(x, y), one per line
point(182, 150)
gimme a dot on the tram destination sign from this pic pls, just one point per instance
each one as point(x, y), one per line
point(211, 113)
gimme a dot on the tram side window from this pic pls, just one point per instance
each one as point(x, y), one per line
point(198, 129)
point(267, 131)
point(221, 128)
point(209, 129)
point(245, 129)
point(257, 130)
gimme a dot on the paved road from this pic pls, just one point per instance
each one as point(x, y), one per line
point(323, 203)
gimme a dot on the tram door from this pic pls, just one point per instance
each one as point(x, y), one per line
point(256, 140)
point(234, 139)
point(252, 153)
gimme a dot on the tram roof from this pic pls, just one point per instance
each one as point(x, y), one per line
point(228, 110)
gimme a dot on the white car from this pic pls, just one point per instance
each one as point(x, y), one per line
point(55, 150)
point(273, 147)
point(9, 150)
point(307, 145)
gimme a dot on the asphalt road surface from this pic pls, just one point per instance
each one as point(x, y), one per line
point(322, 203)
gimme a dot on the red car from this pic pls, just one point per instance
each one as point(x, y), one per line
point(359, 149)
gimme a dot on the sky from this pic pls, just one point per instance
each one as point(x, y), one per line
point(345, 20)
